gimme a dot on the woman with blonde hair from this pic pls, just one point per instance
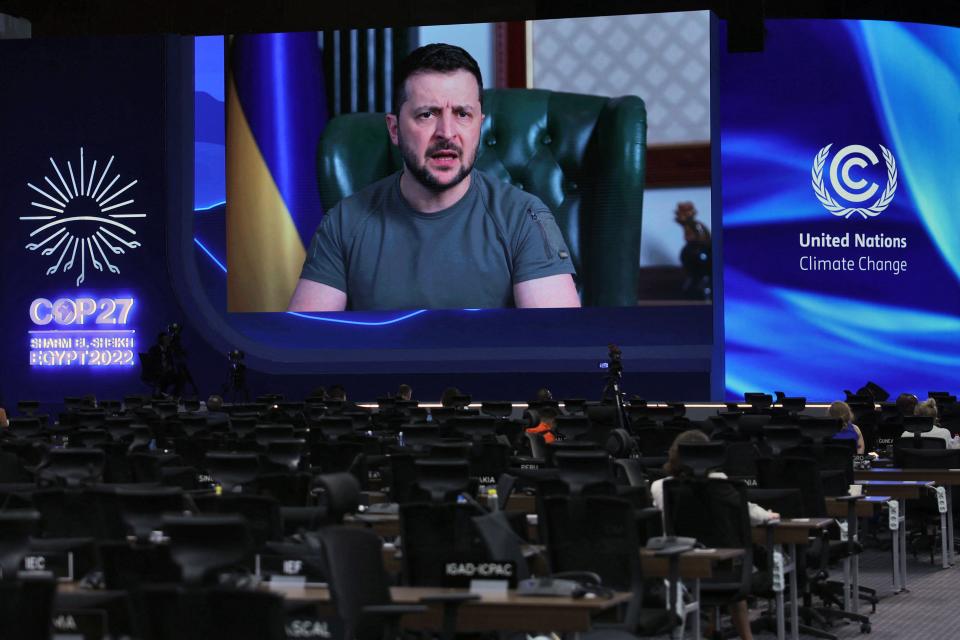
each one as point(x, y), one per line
point(928, 409)
point(848, 431)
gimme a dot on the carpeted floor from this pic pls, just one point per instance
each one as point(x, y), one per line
point(926, 611)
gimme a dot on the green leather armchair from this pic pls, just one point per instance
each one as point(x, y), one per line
point(583, 156)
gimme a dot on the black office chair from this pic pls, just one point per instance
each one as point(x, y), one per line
point(420, 437)
point(803, 475)
point(142, 510)
point(435, 533)
point(702, 457)
point(242, 426)
point(574, 406)
point(24, 426)
point(715, 512)
point(819, 429)
point(26, 608)
point(232, 470)
point(450, 450)
point(598, 535)
point(337, 494)
point(741, 462)
point(72, 467)
point(127, 567)
point(172, 612)
point(497, 408)
point(286, 453)
point(16, 529)
point(473, 427)
point(778, 438)
point(655, 441)
point(266, 433)
point(585, 471)
point(759, 402)
point(927, 458)
point(70, 513)
point(440, 415)
point(359, 587)
point(261, 514)
point(204, 545)
point(490, 460)
point(573, 427)
point(403, 474)
point(441, 480)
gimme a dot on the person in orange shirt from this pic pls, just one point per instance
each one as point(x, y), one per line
point(548, 420)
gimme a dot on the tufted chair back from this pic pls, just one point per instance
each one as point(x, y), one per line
point(583, 156)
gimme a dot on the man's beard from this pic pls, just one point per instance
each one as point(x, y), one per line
point(418, 166)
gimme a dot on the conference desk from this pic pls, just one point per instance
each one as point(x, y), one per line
point(385, 525)
point(521, 502)
point(946, 478)
point(900, 491)
point(492, 612)
point(852, 510)
point(792, 532)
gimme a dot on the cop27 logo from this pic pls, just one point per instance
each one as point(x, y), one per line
point(853, 190)
point(82, 221)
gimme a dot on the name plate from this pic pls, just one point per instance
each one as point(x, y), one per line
point(286, 568)
point(299, 627)
point(85, 624)
point(58, 563)
point(460, 574)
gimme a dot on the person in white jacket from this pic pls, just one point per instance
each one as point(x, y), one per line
point(928, 408)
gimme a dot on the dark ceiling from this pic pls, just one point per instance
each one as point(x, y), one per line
point(76, 17)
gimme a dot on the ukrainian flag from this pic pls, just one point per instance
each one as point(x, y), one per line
point(276, 110)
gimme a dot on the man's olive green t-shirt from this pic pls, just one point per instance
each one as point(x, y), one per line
point(385, 255)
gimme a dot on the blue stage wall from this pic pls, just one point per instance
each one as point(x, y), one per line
point(133, 100)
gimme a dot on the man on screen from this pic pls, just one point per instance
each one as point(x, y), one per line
point(439, 234)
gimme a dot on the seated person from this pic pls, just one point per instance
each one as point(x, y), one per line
point(450, 399)
point(849, 431)
point(530, 414)
point(439, 234)
point(928, 408)
point(214, 411)
point(338, 394)
point(758, 515)
point(906, 403)
point(547, 425)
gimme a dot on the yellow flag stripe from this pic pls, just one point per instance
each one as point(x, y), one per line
point(264, 250)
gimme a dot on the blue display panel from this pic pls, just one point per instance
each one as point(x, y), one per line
point(83, 199)
point(839, 183)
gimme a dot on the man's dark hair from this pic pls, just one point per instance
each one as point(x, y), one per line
point(906, 403)
point(444, 58)
point(337, 392)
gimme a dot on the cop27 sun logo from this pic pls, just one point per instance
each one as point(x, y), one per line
point(853, 190)
point(82, 221)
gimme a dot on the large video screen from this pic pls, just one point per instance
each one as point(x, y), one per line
point(417, 172)
point(840, 181)
point(272, 122)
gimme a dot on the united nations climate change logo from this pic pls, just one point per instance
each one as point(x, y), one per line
point(81, 219)
point(853, 190)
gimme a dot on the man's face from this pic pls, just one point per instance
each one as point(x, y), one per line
point(438, 127)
